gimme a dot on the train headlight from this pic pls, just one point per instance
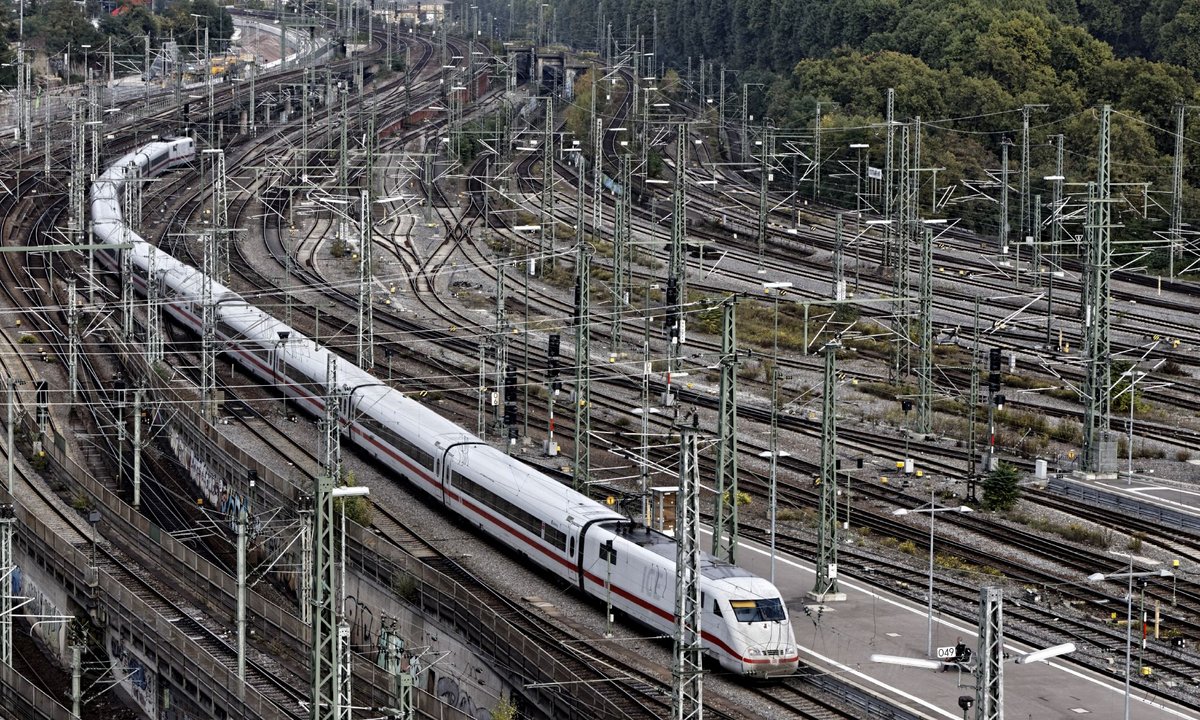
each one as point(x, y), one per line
point(753, 651)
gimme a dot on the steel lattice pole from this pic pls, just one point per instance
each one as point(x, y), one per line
point(725, 511)
point(687, 672)
point(325, 658)
point(826, 585)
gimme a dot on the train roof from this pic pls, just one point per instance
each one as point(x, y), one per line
point(664, 546)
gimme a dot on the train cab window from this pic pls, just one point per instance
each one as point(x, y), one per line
point(716, 608)
point(571, 552)
point(766, 610)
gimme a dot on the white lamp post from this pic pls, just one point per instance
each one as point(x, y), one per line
point(1134, 376)
point(932, 510)
point(1098, 577)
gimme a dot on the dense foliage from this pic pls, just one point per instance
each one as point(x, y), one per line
point(63, 27)
point(965, 68)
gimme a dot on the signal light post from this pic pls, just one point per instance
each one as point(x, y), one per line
point(995, 402)
point(510, 405)
point(553, 386)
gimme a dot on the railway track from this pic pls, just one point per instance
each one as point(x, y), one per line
point(460, 228)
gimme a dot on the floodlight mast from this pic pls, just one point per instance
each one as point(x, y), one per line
point(1098, 577)
point(932, 510)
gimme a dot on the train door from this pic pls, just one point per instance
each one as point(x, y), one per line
point(277, 366)
point(347, 409)
point(441, 470)
point(712, 619)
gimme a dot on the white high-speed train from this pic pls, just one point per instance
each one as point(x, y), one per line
point(744, 625)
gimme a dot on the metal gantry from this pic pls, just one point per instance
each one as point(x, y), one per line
point(1035, 258)
point(240, 520)
point(220, 216)
point(622, 253)
point(889, 231)
point(501, 345)
point(73, 340)
point(154, 330)
point(973, 404)
point(1057, 209)
point(839, 266)
point(1027, 225)
point(725, 510)
point(825, 587)
point(137, 448)
point(325, 658)
point(79, 173)
point(989, 681)
point(900, 262)
point(687, 670)
point(1099, 449)
point(7, 526)
point(128, 292)
point(677, 269)
point(366, 278)
point(208, 330)
point(925, 337)
point(763, 200)
point(1002, 223)
point(1176, 230)
point(548, 223)
point(583, 371)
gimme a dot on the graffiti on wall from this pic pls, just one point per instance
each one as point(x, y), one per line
point(34, 602)
point(450, 692)
point(364, 625)
point(137, 680)
point(213, 484)
point(212, 481)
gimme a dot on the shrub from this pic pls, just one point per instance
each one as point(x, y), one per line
point(792, 514)
point(504, 710)
point(405, 586)
point(1000, 491)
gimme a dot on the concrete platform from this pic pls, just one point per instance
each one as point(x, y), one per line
point(840, 638)
point(1170, 502)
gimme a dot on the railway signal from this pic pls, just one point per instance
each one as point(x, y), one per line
point(994, 370)
point(510, 385)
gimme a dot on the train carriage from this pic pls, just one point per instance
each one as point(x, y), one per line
point(745, 625)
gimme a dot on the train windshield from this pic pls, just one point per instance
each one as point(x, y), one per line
point(768, 610)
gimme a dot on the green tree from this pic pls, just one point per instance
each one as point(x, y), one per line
point(177, 22)
point(505, 710)
point(577, 118)
point(129, 28)
point(1179, 39)
point(61, 26)
point(1000, 490)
